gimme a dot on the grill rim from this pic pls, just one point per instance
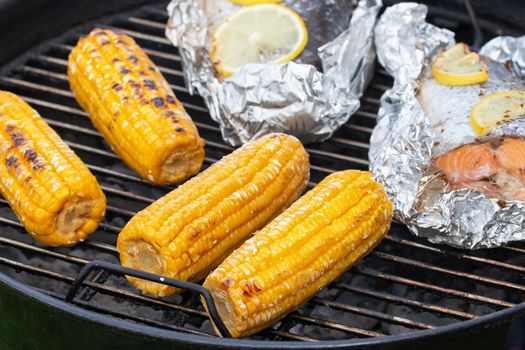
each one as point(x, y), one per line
point(450, 331)
point(453, 330)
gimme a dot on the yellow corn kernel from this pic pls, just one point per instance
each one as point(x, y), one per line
point(52, 192)
point(189, 231)
point(300, 252)
point(133, 106)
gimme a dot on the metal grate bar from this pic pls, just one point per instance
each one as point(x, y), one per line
point(335, 326)
point(371, 313)
point(405, 301)
point(459, 255)
point(432, 287)
point(139, 35)
point(147, 22)
point(425, 266)
point(358, 128)
point(65, 257)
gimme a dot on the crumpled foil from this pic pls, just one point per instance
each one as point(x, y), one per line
point(420, 120)
point(292, 98)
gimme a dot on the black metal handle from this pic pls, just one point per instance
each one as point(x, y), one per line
point(121, 271)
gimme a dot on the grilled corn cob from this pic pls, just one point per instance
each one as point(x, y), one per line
point(133, 106)
point(301, 251)
point(51, 191)
point(189, 231)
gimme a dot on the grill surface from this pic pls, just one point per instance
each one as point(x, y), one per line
point(403, 286)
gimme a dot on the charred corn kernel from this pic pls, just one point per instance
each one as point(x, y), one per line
point(189, 231)
point(133, 106)
point(51, 191)
point(301, 251)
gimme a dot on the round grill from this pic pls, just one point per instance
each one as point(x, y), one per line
point(404, 286)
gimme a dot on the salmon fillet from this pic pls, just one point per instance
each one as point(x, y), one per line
point(468, 163)
point(511, 157)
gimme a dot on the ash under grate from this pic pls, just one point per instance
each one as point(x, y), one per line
point(404, 285)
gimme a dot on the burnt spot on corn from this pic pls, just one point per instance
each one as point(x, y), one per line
point(249, 288)
point(115, 59)
point(37, 165)
point(117, 87)
point(150, 84)
point(226, 283)
point(11, 161)
point(133, 59)
point(30, 155)
point(158, 102)
point(104, 42)
point(171, 115)
point(171, 99)
point(179, 129)
point(134, 84)
point(151, 68)
point(125, 71)
point(27, 179)
point(16, 135)
point(142, 73)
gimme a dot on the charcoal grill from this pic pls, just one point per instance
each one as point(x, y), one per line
point(407, 294)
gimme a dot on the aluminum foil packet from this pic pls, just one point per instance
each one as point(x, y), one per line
point(296, 97)
point(420, 119)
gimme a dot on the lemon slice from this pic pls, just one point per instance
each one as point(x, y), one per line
point(458, 66)
point(255, 2)
point(497, 109)
point(268, 33)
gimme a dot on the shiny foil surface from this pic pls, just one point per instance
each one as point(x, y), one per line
point(420, 119)
point(296, 97)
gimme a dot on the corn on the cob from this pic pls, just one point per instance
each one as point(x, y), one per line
point(188, 232)
point(52, 192)
point(133, 106)
point(301, 251)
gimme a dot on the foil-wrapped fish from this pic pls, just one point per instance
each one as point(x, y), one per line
point(483, 166)
point(447, 183)
point(448, 107)
point(295, 98)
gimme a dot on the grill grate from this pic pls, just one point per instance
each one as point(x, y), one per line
point(404, 285)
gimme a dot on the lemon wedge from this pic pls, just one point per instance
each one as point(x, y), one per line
point(458, 66)
point(254, 2)
point(268, 33)
point(497, 109)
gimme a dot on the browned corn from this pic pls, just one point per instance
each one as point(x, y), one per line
point(301, 251)
point(188, 232)
point(133, 106)
point(51, 191)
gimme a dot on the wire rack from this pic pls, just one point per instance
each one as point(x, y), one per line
point(404, 285)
